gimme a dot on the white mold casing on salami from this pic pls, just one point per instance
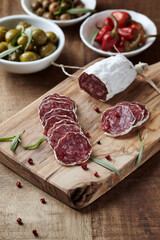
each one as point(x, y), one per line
point(116, 72)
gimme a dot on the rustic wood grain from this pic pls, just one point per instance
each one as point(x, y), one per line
point(131, 210)
point(72, 185)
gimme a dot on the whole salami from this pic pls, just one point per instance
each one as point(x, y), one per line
point(72, 149)
point(107, 77)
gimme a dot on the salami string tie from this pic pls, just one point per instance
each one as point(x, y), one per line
point(62, 66)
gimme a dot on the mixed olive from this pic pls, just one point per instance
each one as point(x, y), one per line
point(56, 9)
point(29, 43)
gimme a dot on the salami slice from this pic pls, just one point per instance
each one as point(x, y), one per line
point(146, 112)
point(52, 120)
point(58, 111)
point(72, 149)
point(53, 104)
point(137, 112)
point(65, 121)
point(61, 98)
point(60, 132)
point(117, 121)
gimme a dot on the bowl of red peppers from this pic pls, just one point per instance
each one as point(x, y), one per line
point(118, 31)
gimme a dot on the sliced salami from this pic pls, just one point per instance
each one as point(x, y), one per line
point(63, 98)
point(146, 112)
point(59, 123)
point(53, 104)
point(52, 120)
point(72, 149)
point(137, 112)
point(60, 100)
point(60, 132)
point(117, 121)
point(58, 111)
point(64, 121)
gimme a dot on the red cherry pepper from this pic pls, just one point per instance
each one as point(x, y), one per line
point(126, 46)
point(121, 44)
point(101, 33)
point(108, 42)
point(123, 18)
point(140, 28)
point(108, 21)
point(110, 38)
point(130, 33)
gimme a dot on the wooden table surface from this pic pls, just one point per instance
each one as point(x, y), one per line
point(130, 211)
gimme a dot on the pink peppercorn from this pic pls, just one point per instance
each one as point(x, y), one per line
point(84, 166)
point(87, 134)
point(96, 174)
point(97, 109)
point(34, 231)
point(108, 157)
point(19, 221)
point(30, 161)
point(18, 184)
point(43, 200)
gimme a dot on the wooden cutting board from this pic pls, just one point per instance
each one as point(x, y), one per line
point(73, 185)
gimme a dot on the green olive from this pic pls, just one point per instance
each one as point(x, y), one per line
point(28, 56)
point(65, 6)
point(22, 25)
point(15, 55)
point(65, 16)
point(45, 4)
point(40, 11)
point(53, 7)
point(52, 37)
point(47, 49)
point(3, 31)
point(48, 15)
point(3, 46)
point(22, 40)
point(39, 36)
point(35, 5)
point(11, 34)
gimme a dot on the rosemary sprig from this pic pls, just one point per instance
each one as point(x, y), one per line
point(94, 36)
point(106, 165)
point(6, 139)
point(35, 145)
point(79, 10)
point(140, 155)
point(16, 141)
point(9, 51)
point(29, 35)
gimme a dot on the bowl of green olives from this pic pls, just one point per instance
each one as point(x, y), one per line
point(62, 12)
point(28, 44)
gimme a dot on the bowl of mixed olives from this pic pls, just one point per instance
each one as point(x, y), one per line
point(28, 44)
point(61, 12)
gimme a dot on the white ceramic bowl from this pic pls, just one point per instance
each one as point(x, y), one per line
point(38, 65)
point(88, 28)
point(91, 4)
